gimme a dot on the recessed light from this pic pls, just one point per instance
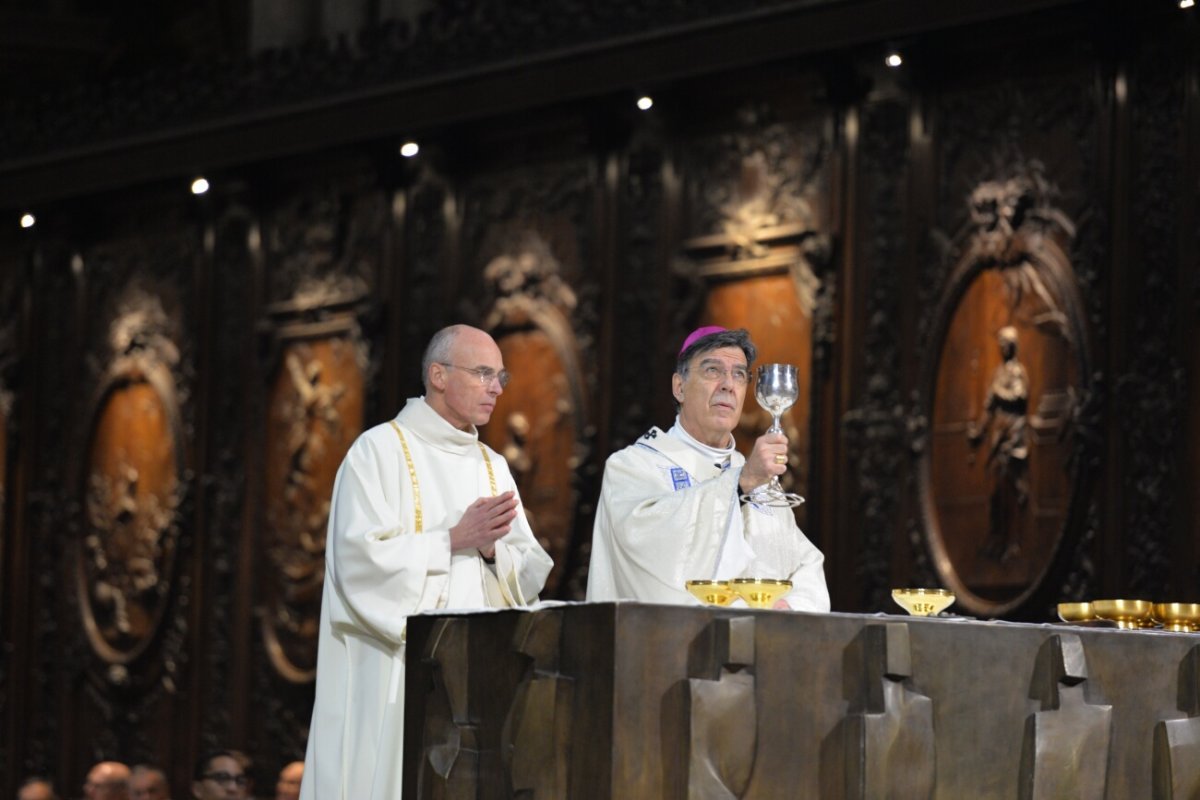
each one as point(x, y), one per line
point(409, 149)
point(199, 186)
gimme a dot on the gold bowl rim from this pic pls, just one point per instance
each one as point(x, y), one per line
point(760, 582)
point(1122, 609)
point(934, 592)
point(1177, 611)
point(1076, 611)
point(705, 583)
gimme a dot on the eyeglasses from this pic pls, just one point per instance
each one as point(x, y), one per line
point(485, 374)
point(711, 372)
point(225, 779)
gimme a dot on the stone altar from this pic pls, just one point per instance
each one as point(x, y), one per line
point(629, 700)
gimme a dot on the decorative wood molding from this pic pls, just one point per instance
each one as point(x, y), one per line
point(876, 431)
point(532, 228)
point(313, 414)
point(1150, 390)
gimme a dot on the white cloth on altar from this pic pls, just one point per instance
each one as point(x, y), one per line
point(669, 513)
point(379, 570)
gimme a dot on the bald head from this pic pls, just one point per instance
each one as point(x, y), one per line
point(464, 374)
point(108, 780)
point(288, 786)
point(441, 348)
point(36, 789)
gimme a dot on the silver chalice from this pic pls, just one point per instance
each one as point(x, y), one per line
point(776, 388)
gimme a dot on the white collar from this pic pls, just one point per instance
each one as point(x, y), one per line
point(420, 418)
point(718, 455)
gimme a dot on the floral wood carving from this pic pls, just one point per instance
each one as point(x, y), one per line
point(132, 485)
point(315, 409)
point(543, 423)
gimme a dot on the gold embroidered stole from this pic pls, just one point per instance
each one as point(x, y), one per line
point(418, 521)
point(490, 583)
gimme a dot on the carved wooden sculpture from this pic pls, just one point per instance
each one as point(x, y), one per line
point(1065, 750)
point(132, 483)
point(539, 424)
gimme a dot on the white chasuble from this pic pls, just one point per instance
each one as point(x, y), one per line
point(669, 514)
point(398, 492)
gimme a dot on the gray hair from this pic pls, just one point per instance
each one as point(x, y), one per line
point(739, 338)
point(438, 350)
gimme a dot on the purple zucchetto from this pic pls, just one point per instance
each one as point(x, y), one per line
point(700, 333)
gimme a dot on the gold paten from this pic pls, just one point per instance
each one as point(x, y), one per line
point(759, 592)
point(1076, 612)
point(1128, 614)
point(1181, 617)
point(713, 593)
point(923, 602)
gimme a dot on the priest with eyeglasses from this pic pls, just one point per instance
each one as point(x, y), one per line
point(424, 516)
point(670, 505)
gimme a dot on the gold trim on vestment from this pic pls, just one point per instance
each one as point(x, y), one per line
point(412, 477)
point(488, 461)
point(416, 487)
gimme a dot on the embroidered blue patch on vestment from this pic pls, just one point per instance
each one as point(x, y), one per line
point(680, 478)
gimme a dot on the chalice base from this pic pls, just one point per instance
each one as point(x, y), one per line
point(772, 494)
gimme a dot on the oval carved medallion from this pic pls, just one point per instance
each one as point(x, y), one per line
point(132, 492)
point(999, 479)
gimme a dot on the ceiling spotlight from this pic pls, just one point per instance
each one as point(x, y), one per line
point(1186, 3)
point(199, 186)
point(28, 220)
point(409, 149)
point(893, 59)
point(645, 102)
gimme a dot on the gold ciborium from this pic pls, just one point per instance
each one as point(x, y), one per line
point(713, 593)
point(760, 592)
point(1076, 612)
point(923, 602)
point(1128, 614)
point(1180, 617)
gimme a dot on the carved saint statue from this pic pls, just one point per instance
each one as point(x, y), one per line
point(1008, 449)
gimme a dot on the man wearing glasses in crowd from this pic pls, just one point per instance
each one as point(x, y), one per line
point(670, 508)
point(219, 776)
point(424, 516)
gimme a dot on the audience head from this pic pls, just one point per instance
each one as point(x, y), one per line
point(219, 775)
point(288, 786)
point(148, 782)
point(108, 780)
point(36, 788)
